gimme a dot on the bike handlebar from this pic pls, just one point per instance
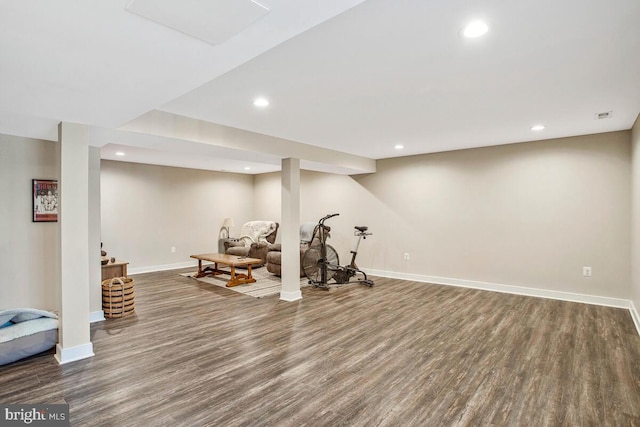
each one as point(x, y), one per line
point(327, 217)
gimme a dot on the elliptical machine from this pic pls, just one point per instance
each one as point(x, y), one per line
point(321, 262)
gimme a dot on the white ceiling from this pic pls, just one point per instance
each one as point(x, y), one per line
point(353, 76)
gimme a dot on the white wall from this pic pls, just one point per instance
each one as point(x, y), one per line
point(267, 197)
point(528, 215)
point(28, 250)
point(148, 209)
point(321, 194)
point(635, 228)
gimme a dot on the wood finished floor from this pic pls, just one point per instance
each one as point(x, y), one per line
point(398, 354)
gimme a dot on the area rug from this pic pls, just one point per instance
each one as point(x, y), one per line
point(266, 283)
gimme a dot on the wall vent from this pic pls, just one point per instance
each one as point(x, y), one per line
point(605, 115)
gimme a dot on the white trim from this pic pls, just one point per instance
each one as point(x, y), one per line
point(509, 289)
point(67, 355)
point(290, 296)
point(635, 316)
point(152, 268)
point(96, 316)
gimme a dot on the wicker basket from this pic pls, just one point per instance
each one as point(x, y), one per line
point(118, 297)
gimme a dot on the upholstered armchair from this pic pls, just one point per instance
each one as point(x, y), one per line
point(255, 237)
point(274, 256)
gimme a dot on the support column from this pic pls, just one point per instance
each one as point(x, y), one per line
point(290, 230)
point(73, 223)
point(95, 269)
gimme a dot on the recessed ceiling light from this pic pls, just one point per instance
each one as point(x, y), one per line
point(537, 128)
point(247, 168)
point(475, 29)
point(119, 153)
point(261, 102)
point(398, 146)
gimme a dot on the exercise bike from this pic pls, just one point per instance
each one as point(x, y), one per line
point(321, 262)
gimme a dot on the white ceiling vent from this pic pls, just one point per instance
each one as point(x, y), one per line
point(212, 21)
point(605, 115)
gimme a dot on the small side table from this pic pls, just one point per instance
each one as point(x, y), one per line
point(114, 269)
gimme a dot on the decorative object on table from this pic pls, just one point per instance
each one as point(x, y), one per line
point(223, 235)
point(45, 200)
point(118, 297)
point(104, 260)
point(254, 240)
point(224, 230)
point(111, 267)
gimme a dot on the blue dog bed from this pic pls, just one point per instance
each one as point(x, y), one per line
point(25, 332)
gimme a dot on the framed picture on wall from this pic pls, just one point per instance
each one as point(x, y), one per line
point(45, 200)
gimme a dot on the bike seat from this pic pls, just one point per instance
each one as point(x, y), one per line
point(361, 228)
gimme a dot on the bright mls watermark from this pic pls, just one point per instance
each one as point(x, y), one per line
point(34, 415)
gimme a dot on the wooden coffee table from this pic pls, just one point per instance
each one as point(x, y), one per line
point(232, 261)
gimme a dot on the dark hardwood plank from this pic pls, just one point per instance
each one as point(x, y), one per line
point(400, 353)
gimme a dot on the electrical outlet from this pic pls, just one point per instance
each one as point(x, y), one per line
point(586, 271)
point(406, 256)
point(173, 249)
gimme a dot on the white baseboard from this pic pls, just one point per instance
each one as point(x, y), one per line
point(635, 316)
point(163, 267)
point(290, 296)
point(509, 289)
point(72, 354)
point(96, 316)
